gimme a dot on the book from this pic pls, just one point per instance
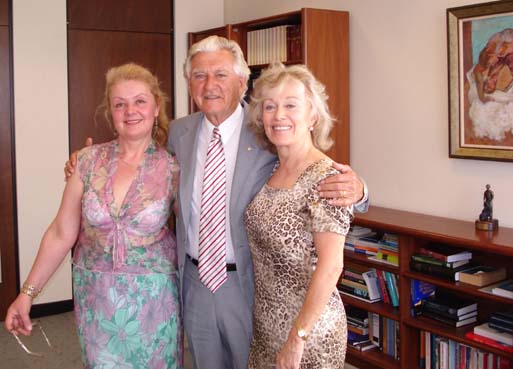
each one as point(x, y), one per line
point(488, 341)
point(482, 275)
point(345, 290)
point(371, 280)
point(432, 260)
point(364, 346)
point(383, 287)
point(504, 289)
point(451, 274)
point(359, 231)
point(500, 326)
point(450, 304)
point(486, 331)
point(451, 322)
point(420, 291)
point(392, 290)
point(357, 315)
point(425, 308)
point(444, 253)
point(492, 288)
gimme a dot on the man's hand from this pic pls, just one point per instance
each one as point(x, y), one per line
point(69, 167)
point(344, 189)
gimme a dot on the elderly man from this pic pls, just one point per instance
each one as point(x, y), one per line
point(222, 168)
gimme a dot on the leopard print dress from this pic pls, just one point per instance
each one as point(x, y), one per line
point(280, 223)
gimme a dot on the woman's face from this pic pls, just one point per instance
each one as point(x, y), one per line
point(287, 114)
point(133, 109)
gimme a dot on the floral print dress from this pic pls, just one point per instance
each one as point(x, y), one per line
point(125, 282)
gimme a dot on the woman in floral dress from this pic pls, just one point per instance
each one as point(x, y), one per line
point(295, 236)
point(117, 204)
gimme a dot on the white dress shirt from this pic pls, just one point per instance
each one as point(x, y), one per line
point(230, 135)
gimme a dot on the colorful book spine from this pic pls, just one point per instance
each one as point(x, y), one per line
point(392, 289)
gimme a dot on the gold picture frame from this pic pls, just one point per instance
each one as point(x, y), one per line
point(480, 66)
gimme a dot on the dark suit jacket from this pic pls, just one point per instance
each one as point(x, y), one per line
point(252, 169)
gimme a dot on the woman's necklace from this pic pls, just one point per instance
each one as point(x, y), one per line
point(130, 165)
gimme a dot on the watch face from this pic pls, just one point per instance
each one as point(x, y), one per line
point(302, 334)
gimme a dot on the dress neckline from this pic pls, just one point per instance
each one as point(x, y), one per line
point(299, 178)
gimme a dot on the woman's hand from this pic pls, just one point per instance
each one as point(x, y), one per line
point(17, 319)
point(291, 353)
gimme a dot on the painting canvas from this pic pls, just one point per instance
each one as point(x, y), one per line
point(480, 50)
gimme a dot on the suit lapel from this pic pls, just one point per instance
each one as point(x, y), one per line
point(187, 164)
point(247, 155)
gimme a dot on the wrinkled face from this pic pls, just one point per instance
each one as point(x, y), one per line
point(133, 109)
point(287, 115)
point(214, 85)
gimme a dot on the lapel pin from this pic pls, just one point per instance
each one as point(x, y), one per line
point(249, 148)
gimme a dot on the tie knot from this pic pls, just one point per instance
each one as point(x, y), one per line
point(216, 135)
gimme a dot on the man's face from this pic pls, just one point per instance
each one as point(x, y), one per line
point(214, 85)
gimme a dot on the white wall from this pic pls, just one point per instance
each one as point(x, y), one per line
point(41, 115)
point(191, 16)
point(41, 128)
point(399, 107)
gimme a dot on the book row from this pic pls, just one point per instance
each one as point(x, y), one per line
point(368, 330)
point(279, 43)
point(437, 352)
point(369, 284)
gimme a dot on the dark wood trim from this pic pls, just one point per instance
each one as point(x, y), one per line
point(51, 308)
point(8, 215)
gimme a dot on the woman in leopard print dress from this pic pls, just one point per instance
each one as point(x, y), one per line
point(296, 237)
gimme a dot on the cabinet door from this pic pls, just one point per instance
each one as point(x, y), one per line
point(4, 12)
point(121, 15)
point(8, 268)
point(91, 54)
point(325, 37)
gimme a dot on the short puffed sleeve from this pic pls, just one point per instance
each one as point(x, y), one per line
point(324, 217)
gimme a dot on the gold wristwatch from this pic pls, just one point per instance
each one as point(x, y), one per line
point(301, 332)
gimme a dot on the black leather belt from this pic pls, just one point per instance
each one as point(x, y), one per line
point(229, 267)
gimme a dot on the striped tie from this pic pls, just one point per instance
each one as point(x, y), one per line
point(212, 233)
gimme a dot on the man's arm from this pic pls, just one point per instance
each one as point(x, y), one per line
point(345, 189)
point(70, 165)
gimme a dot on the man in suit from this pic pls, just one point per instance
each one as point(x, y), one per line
point(218, 323)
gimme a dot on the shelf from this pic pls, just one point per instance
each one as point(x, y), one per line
point(380, 308)
point(259, 67)
point(358, 258)
point(374, 357)
point(462, 288)
point(456, 334)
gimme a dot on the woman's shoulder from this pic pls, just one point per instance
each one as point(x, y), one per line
point(321, 169)
point(95, 150)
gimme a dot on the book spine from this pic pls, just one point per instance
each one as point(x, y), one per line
point(433, 254)
point(394, 297)
point(383, 286)
point(436, 270)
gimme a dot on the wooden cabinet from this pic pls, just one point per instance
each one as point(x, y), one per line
point(324, 49)
point(415, 231)
point(103, 34)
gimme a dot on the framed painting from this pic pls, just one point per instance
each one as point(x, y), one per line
point(480, 62)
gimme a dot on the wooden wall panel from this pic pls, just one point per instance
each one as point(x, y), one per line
point(9, 285)
point(4, 12)
point(91, 53)
point(121, 15)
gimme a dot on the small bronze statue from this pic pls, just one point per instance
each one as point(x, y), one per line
point(486, 221)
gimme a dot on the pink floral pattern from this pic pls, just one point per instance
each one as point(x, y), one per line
point(125, 280)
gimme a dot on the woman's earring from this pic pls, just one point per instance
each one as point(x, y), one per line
point(311, 128)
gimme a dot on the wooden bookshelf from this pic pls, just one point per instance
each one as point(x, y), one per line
point(324, 50)
point(417, 230)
